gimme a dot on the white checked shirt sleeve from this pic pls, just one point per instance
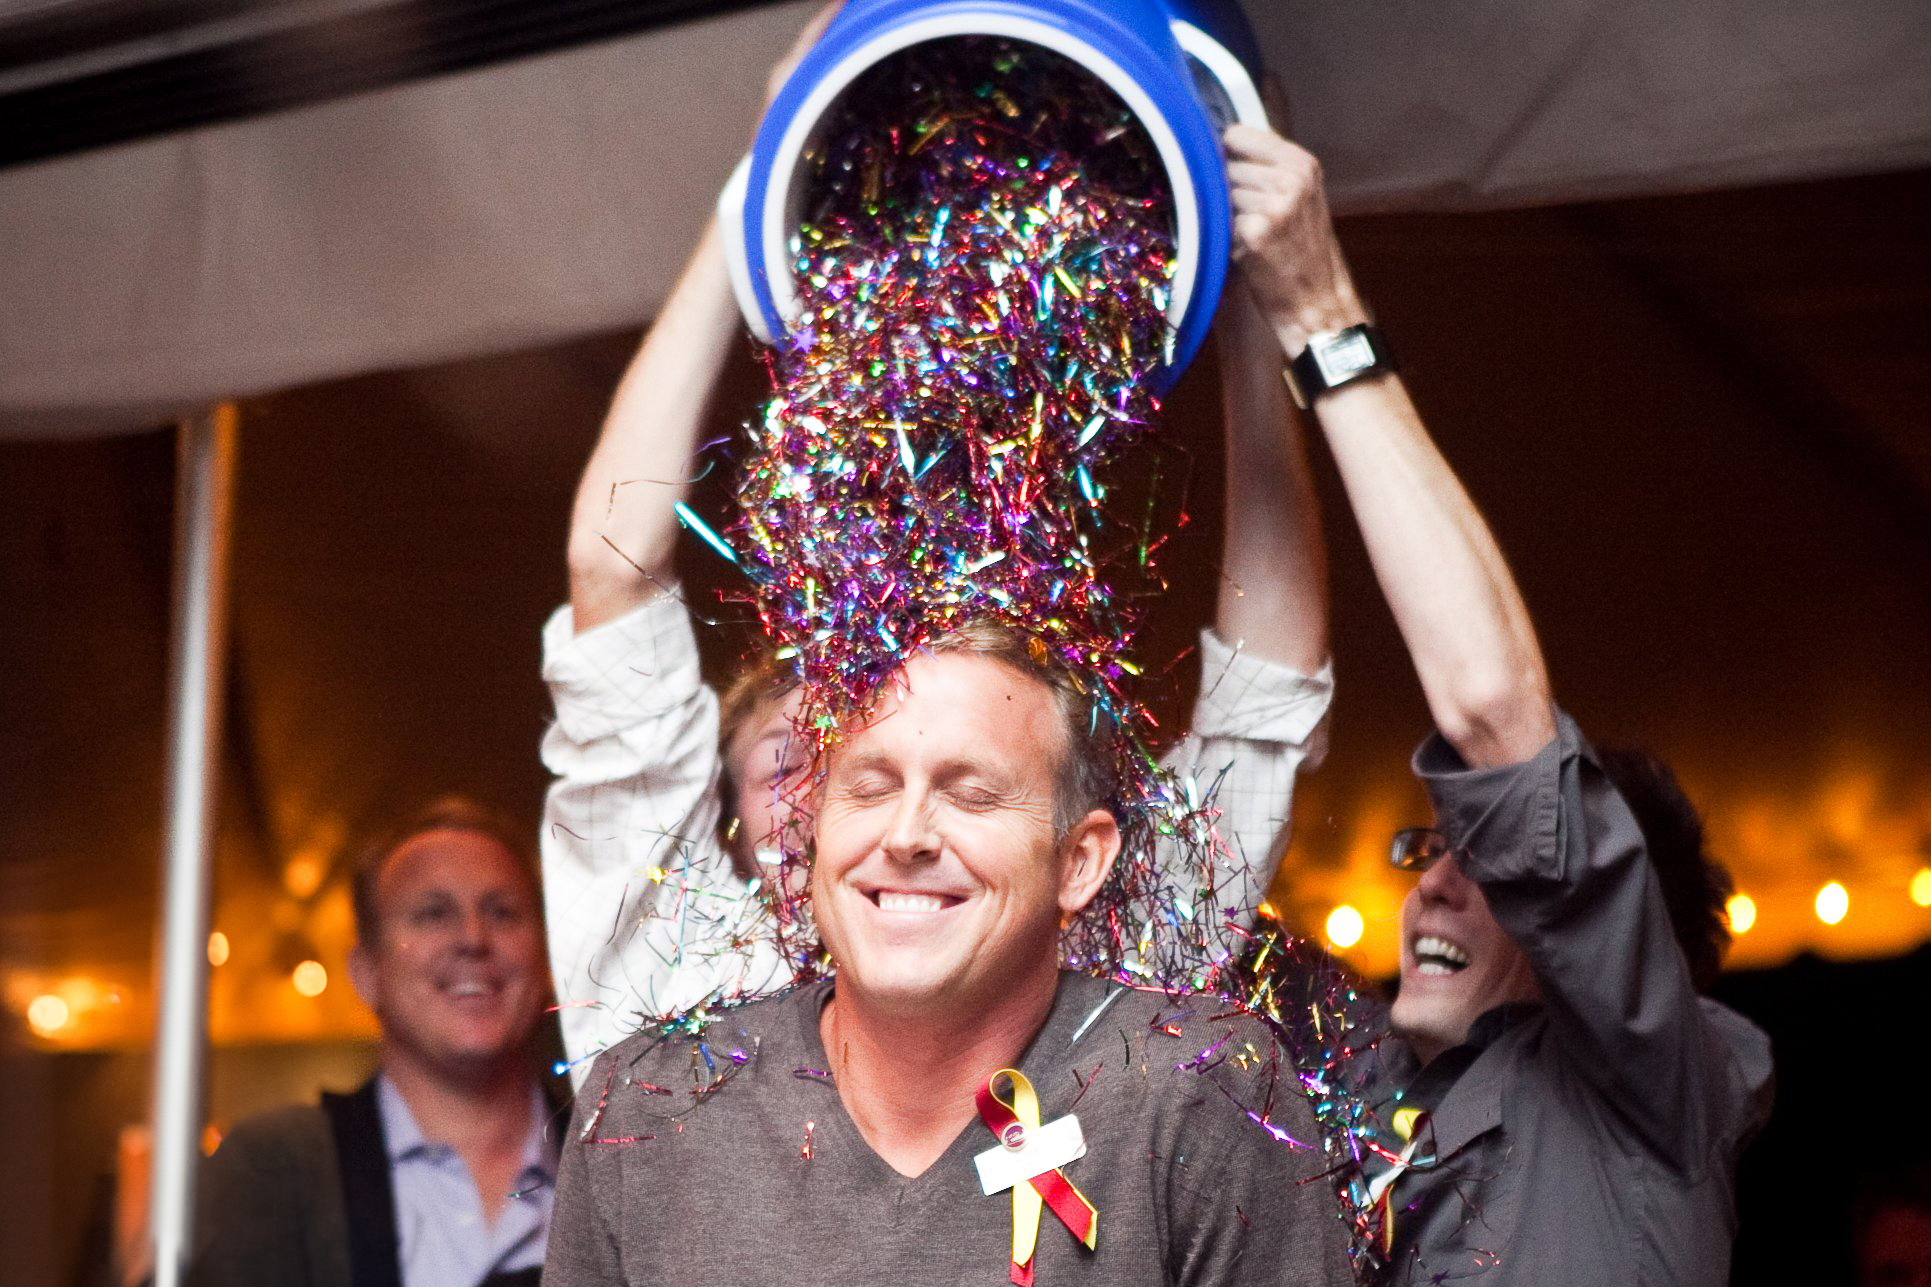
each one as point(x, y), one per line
point(1255, 725)
point(644, 912)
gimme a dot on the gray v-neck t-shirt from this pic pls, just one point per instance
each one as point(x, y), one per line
point(730, 1158)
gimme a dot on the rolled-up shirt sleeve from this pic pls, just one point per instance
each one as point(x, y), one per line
point(644, 912)
point(1256, 724)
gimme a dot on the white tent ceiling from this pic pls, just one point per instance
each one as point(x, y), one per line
point(550, 197)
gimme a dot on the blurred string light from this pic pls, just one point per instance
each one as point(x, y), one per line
point(1833, 903)
point(217, 948)
point(310, 978)
point(47, 1014)
point(1344, 926)
point(1921, 887)
point(1742, 911)
point(303, 875)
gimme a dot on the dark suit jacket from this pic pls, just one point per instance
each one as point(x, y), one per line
point(300, 1197)
point(276, 1200)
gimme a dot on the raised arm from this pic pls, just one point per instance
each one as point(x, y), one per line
point(1273, 601)
point(1552, 847)
point(623, 527)
point(1452, 596)
point(645, 913)
point(1264, 683)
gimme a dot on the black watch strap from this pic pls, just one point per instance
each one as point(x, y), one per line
point(1334, 358)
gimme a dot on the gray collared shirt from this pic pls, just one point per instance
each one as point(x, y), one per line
point(446, 1241)
point(1592, 1138)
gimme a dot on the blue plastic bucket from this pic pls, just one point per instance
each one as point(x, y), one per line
point(1184, 68)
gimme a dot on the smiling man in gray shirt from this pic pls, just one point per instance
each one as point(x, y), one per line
point(843, 1134)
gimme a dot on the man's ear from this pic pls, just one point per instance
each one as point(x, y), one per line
point(362, 973)
point(1086, 860)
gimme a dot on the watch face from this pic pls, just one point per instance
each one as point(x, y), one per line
point(1345, 356)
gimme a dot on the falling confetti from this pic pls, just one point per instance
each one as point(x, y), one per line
point(983, 271)
point(983, 268)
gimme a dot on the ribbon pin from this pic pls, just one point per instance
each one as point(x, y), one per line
point(1027, 1161)
point(1408, 1123)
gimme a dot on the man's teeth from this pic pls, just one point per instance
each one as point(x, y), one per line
point(1438, 956)
point(891, 902)
point(468, 990)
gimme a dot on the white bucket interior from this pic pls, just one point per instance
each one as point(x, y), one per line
point(778, 220)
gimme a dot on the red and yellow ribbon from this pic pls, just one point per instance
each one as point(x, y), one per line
point(1012, 1121)
point(1408, 1123)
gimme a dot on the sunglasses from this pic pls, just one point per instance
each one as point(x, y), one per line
point(1419, 848)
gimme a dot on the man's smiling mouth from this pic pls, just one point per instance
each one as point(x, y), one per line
point(894, 900)
point(1436, 955)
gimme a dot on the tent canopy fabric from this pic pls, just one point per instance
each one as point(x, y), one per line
point(533, 201)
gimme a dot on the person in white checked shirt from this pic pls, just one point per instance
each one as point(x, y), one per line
point(653, 825)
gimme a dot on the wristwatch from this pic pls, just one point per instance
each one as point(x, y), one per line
point(1333, 358)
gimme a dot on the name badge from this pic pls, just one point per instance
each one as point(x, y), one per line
point(1039, 1151)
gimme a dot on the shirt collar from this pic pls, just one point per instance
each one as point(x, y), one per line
point(403, 1137)
point(1424, 1084)
point(1491, 1024)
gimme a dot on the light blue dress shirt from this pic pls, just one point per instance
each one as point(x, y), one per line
point(445, 1239)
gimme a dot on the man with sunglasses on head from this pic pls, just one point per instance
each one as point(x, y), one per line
point(1560, 1104)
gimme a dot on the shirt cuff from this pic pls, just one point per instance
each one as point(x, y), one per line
point(1247, 696)
point(635, 667)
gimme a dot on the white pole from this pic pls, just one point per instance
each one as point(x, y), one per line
point(203, 483)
